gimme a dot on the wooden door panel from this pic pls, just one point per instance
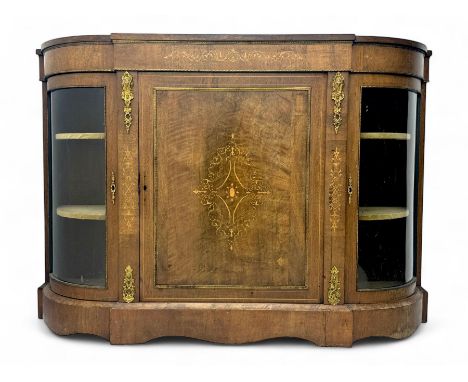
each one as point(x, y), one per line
point(228, 185)
point(228, 193)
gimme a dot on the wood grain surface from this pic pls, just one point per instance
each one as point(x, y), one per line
point(232, 323)
point(225, 53)
point(275, 121)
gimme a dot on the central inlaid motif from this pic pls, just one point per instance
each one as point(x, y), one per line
point(232, 191)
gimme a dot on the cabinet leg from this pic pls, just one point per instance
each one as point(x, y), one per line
point(424, 304)
point(339, 327)
point(39, 301)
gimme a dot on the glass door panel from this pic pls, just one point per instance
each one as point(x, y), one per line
point(78, 185)
point(387, 184)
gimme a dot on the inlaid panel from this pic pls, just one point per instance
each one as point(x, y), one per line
point(229, 186)
point(230, 180)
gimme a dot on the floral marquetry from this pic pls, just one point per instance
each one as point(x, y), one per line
point(232, 191)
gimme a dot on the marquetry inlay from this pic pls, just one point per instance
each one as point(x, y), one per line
point(232, 191)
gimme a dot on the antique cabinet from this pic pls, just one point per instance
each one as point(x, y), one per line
point(233, 188)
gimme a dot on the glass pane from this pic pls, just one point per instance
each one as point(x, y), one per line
point(387, 183)
point(78, 185)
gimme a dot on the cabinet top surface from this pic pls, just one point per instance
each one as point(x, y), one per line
point(232, 38)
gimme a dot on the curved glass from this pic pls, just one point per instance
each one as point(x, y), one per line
point(387, 186)
point(78, 185)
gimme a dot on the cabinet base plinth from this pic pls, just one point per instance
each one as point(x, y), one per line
point(232, 323)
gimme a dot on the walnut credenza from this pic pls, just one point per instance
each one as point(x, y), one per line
point(233, 188)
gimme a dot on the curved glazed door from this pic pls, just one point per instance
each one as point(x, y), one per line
point(382, 238)
point(231, 187)
point(83, 166)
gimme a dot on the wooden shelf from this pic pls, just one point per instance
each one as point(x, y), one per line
point(82, 212)
point(382, 213)
point(81, 281)
point(373, 285)
point(67, 136)
point(397, 136)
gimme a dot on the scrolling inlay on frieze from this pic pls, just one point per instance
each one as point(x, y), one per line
point(288, 57)
point(232, 191)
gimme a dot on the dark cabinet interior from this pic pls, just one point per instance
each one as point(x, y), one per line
point(78, 185)
point(387, 184)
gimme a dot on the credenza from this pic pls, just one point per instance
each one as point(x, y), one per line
point(233, 188)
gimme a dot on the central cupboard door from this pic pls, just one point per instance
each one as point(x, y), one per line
point(231, 195)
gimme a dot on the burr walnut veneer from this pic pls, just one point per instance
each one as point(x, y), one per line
point(233, 188)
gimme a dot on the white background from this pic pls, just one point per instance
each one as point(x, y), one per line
point(28, 348)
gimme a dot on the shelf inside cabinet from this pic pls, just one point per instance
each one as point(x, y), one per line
point(373, 285)
point(75, 136)
point(382, 213)
point(379, 135)
point(82, 212)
